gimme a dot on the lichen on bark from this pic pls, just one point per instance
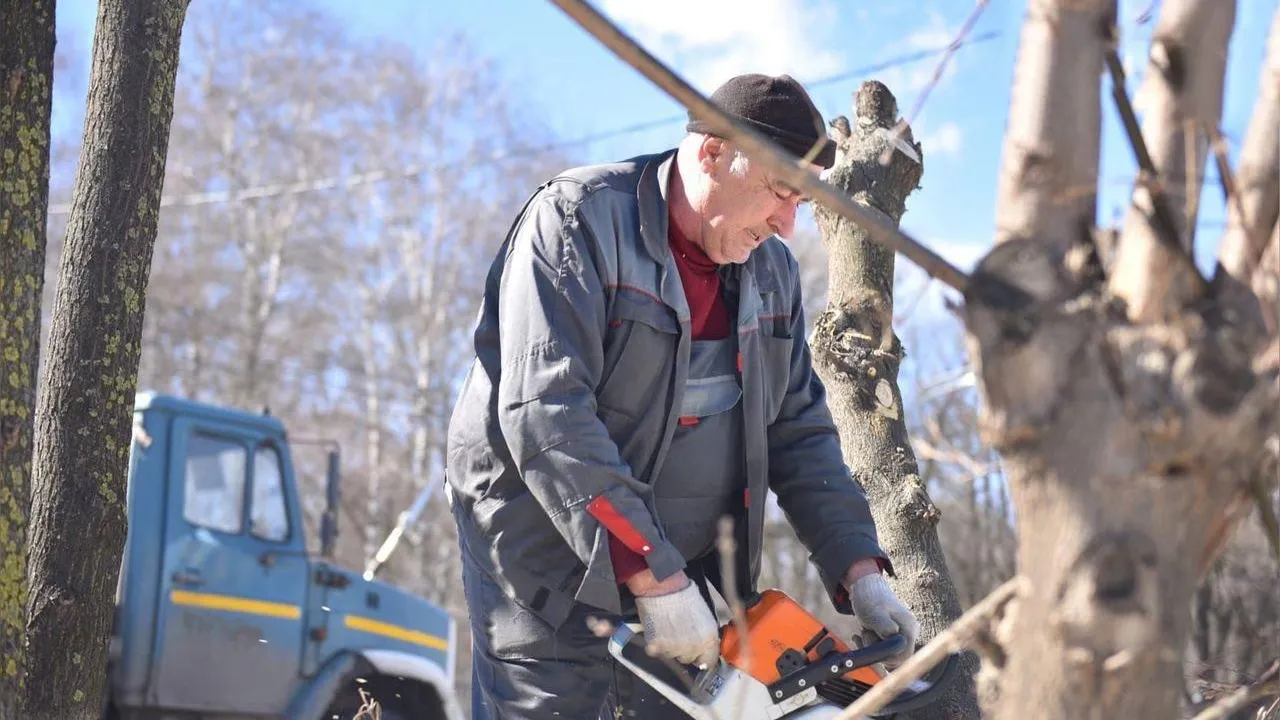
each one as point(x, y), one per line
point(87, 388)
point(26, 79)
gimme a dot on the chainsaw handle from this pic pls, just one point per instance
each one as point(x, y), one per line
point(835, 664)
point(659, 676)
point(937, 679)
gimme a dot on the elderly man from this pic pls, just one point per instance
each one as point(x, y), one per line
point(641, 371)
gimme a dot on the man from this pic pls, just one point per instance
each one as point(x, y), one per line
point(641, 370)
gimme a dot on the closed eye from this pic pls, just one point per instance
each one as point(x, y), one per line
point(785, 193)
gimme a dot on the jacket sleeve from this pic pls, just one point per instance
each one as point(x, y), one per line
point(821, 499)
point(552, 325)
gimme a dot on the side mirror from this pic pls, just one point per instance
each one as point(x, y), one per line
point(329, 522)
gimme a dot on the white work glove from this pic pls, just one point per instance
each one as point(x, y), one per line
point(681, 626)
point(881, 612)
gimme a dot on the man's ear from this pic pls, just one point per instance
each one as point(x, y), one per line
point(712, 152)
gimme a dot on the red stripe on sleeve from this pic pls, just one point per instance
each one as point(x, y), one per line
point(604, 511)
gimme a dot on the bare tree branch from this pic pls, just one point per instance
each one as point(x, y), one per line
point(1162, 223)
point(1258, 178)
point(1052, 140)
point(938, 69)
point(793, 172)
point(955, 639)
point(1268, 684)
point(1183, 88)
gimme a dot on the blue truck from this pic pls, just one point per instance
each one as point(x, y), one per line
point(223, 612)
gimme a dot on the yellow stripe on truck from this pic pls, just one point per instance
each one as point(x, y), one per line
point(377, 627)
point(231, 603)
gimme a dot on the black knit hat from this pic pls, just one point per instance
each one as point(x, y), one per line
point(779, 108)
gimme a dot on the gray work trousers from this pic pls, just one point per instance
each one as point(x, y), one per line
point(523, 669)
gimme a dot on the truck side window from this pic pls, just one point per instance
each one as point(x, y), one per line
point(214, 494)
point(268, 516)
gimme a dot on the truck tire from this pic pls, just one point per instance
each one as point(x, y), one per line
point(397, 699)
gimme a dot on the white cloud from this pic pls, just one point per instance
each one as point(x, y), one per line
point(712, 40)
point(945, 140)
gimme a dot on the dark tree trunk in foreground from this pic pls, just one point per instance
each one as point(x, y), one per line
point(87, 388)
point(857, 355)
point(26, 92)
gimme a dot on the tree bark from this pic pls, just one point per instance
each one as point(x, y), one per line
point(86, 393)
point(1125, 435)
point(26, 97)
point(857, 356)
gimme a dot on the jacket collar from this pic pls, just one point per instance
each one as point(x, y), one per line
point(651, 196)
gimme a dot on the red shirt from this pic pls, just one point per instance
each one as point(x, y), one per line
point(708, 312)
point(709, 317)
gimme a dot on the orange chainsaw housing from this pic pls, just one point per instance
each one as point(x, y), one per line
point(777, 625)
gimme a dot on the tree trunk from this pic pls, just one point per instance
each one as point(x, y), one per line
point(26, 82)
point(1126, 433)
point(857, 356)
point(86, 393)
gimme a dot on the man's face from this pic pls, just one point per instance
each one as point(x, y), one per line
point(741, 210)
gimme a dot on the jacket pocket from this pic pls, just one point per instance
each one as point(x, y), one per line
point(704, 397)
point(639, 354)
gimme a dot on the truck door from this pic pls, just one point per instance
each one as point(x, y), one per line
point(234, 577)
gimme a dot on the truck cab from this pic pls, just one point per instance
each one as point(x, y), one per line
point(222, 612)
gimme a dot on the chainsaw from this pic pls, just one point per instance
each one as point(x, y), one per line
point(788, 666)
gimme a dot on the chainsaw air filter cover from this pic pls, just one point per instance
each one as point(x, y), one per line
point(783, 641)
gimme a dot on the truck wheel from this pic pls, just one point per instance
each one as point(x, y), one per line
point(397, 699)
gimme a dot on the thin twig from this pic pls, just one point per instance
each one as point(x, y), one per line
point(1267, 684)
point(1146, 15)
point(728, 550)
point(938, 69)
point(1191, 183)
point(929, 451)
point(902, 317)
point(793, 172)
point(954, 639)
point(1161, 215)
point(1231, 193)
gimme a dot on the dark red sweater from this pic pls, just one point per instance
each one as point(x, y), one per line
point(709, 317)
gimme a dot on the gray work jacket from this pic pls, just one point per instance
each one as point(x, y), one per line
point(565, 417)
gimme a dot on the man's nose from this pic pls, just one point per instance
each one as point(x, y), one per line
point(784, 220)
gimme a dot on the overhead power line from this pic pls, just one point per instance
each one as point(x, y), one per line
point(259, 192)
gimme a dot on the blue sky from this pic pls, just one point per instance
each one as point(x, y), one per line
point(583, 90)
point(573, 83)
